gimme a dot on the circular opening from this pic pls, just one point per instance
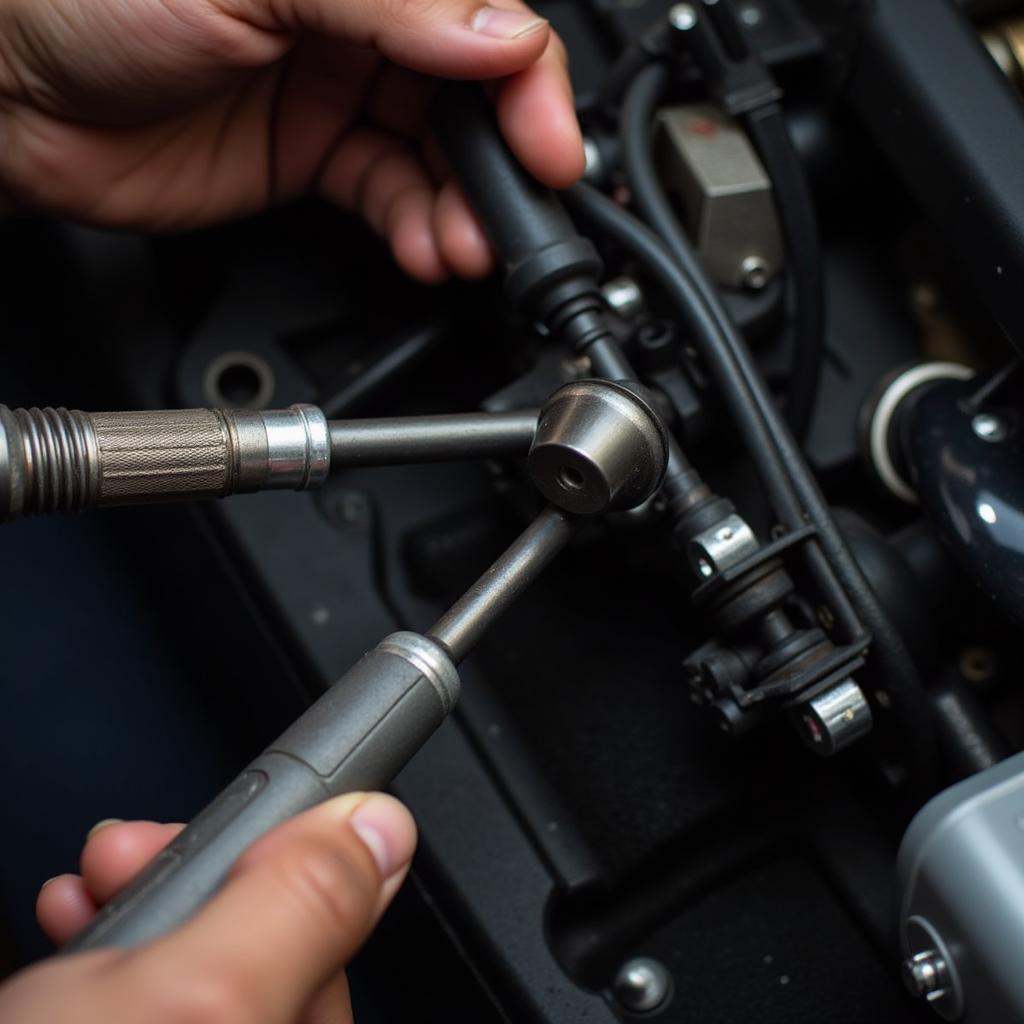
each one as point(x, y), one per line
point(239, 380)
point(238, 383)
point(571, 478)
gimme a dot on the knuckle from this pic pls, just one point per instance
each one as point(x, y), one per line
point(411, 11)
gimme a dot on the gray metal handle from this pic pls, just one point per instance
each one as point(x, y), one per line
point(357, 736)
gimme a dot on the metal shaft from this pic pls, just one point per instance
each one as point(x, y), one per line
point(459, 629)
point(357, 736)
point(407, 439)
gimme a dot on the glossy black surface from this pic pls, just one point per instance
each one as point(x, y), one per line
point(972, 488)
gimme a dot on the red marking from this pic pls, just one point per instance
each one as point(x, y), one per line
point(703, 126)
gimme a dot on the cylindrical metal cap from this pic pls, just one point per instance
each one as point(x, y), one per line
point(599, 447)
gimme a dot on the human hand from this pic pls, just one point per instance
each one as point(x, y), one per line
point(170, 114)
point(269, 948)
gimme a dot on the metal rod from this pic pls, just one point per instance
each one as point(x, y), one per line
point(407, 439)
point(459, 629)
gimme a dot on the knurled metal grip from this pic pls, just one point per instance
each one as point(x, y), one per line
point(60, 460)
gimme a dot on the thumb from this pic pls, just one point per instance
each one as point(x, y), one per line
point(447, 38)
point(296, 907)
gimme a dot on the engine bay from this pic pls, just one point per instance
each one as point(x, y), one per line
point(683, 762)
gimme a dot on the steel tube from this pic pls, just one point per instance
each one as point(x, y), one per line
point(459, 629)
point(407, 439)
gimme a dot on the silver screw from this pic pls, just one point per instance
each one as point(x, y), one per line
point(623, 295)
point(926, 974)
point(642, 985)
point(990, 427)
point(755, 272)
point(682, 17)
point(593, 163)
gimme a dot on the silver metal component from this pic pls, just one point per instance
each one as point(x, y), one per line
point(431, 659)
point(962, 880)
point(48, 462)
point(593, 162)
point(883, 415)
point(682, 17)
point(458, 630)
point(298, 447)
point(60, 460)
point(705, 158)
point(722, 546)
point(926, 974)
point(599, 447)
point(642, 985)
point(835, 719)
point(623, 295)
point(991, 427)
point(755, 273)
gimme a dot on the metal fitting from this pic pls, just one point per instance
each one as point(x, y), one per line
point(643, 985)
point(991, 427)
point(755, 272)
point(431, 659)
point(723, 545)
point(599, 447)
point(623, 295)
point(926, 975)
point(882, 415)
point(682, 17)
point(61, 460)
point(834, 719)
point(298, 447)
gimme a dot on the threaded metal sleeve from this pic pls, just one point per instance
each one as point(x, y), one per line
point(56, 460)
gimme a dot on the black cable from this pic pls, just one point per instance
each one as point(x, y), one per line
point(611, 220)
point(768, 439)
point(795, 208)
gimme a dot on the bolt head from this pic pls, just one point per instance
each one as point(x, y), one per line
point(642, 985)
point(990, 427)
point(682, 17)
point(755, 272)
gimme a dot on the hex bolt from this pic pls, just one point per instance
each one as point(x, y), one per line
point(643, 985)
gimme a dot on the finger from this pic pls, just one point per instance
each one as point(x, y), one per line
point(297, 906)
point(380, 178)
point(448, 38)
point(64, 907)
point(115, 854)
point(538, 119)
point(331, 1005)
point(460, 237)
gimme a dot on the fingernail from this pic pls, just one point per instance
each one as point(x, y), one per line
point(48, 881)
point(100, 825)
point(387, 829)
point(502, 24)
